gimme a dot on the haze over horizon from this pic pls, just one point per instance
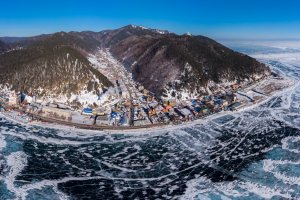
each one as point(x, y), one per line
point(217, 19)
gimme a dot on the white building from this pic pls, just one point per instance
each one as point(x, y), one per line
point(12, 99)
point(125, 95)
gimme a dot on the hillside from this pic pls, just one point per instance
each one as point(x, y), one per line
point(160, 60)
point(50, 67)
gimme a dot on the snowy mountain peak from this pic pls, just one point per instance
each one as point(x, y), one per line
point(136, 27)
point(188, 34)
point(131, 26)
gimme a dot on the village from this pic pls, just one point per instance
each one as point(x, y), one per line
point(129, 105)
point(133, 106)
point(142, 110)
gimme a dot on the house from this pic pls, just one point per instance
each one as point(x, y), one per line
point(172, 102)
point(25, 99)
point(125, 94)
point(195, 102)
point(197, 109)
point(205, 111)
point(114, 114)
point(12, 100)
point(152, 112)
point(168, 107)
point(186, 112)
point(124, 121)
point(114, 118)
point(218, 102)
point(225, 103)
point(183, 114)
point(165, 110)
point(146, 92)
point(140, 88)
point(28, 99)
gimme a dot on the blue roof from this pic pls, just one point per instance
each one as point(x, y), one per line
point(123, 120)
point(218, 101)
point(87, 110)
point(194, 102)
point(197, 109)
point(114, 114)
point(23, 96)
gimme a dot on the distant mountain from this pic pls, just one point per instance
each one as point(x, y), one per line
point(10, 40)
point(3, 47)
point(159, 60)
point(50, 66)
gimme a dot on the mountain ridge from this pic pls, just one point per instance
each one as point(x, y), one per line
point(152, 57)
point(159, 60)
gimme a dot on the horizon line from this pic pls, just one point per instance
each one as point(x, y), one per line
point(177, 33)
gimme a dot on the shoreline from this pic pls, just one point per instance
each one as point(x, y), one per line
point(146, 129)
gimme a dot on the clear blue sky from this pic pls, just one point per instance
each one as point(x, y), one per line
point(213, 18)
